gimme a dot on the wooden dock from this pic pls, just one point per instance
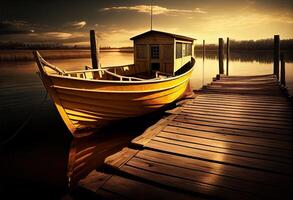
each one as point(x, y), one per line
point(232, 141)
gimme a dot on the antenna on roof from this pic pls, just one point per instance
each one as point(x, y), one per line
point(151, 14)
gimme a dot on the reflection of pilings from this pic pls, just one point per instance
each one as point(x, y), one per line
point(283, 72)
point(247, 56)
point(203, 49)
point(227, 56)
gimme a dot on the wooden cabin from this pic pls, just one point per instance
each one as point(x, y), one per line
point(161, 51)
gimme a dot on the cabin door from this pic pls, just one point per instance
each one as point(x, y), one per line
point(155, 58)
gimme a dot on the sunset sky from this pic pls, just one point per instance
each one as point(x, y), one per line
point(69, 22)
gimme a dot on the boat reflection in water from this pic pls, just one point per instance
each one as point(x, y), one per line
point(88, 153)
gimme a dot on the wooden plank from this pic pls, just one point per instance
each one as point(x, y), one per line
point(243, 107)
point(233, 125)
point(226, 98)
point(118, 159)
point(224, 147)
point(253, 88)
point(245, 83)
point(152, 131)
point(228, 120)
point(246, 174)
point(131, 189)
point(249, 77)
point(94, 180)
point(231, 131)
point(252, 91)
point(268, 107)
point(185, 149)
point(238, 117)
point(251, 111)
point(186, 186)
point(222, 183)
point(108, 186)
point(271, 117)
point(240, 102)
point(282, 148)
point(236, 120)
point(246, 96)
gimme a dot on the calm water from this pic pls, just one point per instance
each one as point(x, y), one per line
point(37, 157)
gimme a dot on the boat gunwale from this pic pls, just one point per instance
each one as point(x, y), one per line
point(121, 91)
point(118, 81)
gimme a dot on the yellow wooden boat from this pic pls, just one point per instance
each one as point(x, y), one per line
point(88, 99)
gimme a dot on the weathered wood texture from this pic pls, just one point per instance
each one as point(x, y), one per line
point(94, 54)
point(232, 141)
point(221, 55)
point(276, 55)
point(227, 56)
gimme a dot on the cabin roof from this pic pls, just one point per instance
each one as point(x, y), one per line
point(180, 37)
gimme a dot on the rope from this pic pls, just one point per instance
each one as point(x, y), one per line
point(25, 122)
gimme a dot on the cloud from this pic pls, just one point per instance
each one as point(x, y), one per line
point(79, 25)
point(15, 27)
point(157, 10)
point(57, 35)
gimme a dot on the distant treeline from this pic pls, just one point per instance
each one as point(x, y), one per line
point(32, 46)
point(263, 44)
point(48, 46)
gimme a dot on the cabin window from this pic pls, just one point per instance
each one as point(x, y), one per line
point(155, 52)
point(188, 49)
point(184, 53)
point(178, 50)
point(183, 49)
point(141, 51)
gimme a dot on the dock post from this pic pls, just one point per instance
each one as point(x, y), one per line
point(221, 56)
point(94, 54)
point(227, 56)
point(276, 55)
point(203, 57)
point(283, 72)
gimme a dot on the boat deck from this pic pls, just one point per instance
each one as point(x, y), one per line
point(232, 141)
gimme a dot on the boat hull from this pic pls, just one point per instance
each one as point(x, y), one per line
point(86, 105)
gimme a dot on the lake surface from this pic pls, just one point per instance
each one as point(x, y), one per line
point(37, 156)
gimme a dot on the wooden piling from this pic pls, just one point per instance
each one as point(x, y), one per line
point(227, 56)
point(276, 55)
point(221, 56)
point(203, 57)
point(94, 55)
point(283, 72)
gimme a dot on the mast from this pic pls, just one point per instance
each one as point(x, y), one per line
point(151, 14)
